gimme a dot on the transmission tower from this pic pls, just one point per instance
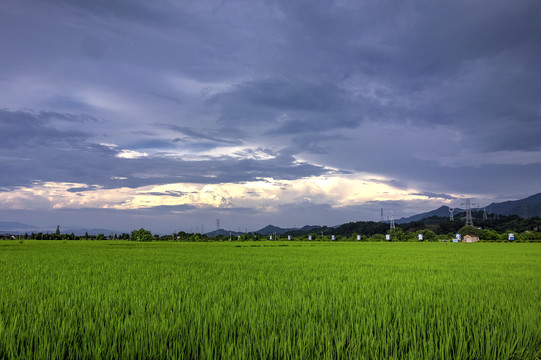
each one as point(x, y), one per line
point(392, 222)
point(381, 219)
point(469, 219)
point(451, 217)
point(485, 214)
point(217, 224)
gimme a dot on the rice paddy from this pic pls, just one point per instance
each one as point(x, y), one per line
point(268, 300)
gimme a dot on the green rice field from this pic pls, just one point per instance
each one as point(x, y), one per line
point(269, 300)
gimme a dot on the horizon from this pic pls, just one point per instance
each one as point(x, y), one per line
point(170, 116)
point(66, 229)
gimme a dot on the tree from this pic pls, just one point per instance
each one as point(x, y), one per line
point(141, 235)
point(428, 235)
point(529, 236)
point(377, 237)
point(471, 230)
point(490, 235)
point(397, 234)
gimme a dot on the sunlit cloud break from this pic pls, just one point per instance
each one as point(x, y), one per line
point(262, 195)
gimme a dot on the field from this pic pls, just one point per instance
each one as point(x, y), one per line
point(118, 299)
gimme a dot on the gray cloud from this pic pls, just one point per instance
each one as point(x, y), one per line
point(441, 98)
point(83, 188)
point(36, 150)
point(194, 134)
point(286, 106)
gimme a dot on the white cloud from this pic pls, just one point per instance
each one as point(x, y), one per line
point(131, 154)
point(265, 194)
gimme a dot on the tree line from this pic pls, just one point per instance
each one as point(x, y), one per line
point(494, 228)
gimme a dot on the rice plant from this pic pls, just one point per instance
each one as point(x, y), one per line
point(269, 300)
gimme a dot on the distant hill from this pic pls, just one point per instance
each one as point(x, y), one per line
point(93, 231)
point(528, 207)
point(223, 232)
point(271, 229)
point(309, 227)
point(442, 211)
point(524, 208)
point(14, 226)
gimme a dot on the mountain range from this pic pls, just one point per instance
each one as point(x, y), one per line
point(528, 207)
point(15, 227)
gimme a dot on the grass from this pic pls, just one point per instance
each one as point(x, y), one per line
point(269, 300)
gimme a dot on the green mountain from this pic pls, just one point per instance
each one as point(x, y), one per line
point(526, 208)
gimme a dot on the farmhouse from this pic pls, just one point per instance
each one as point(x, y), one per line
point(470, 239)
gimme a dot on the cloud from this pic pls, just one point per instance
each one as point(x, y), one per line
point(38, 150)
point(432, 100)
point(83, 188)
point(193, 134)
point(130, 154)
point(436, 196)
point(286, 106)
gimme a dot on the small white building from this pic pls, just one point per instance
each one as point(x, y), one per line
point(470, 239)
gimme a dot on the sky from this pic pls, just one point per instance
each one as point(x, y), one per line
point(169, 115)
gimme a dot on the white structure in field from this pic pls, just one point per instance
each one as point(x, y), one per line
point(470, 239)
point(358, 237)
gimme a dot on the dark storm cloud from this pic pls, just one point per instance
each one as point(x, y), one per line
point(287, 106)
point(17, 127)
point(438, 97)
point(137, 11)
point(460, 64)
point(34, 149)
point(194, 134)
